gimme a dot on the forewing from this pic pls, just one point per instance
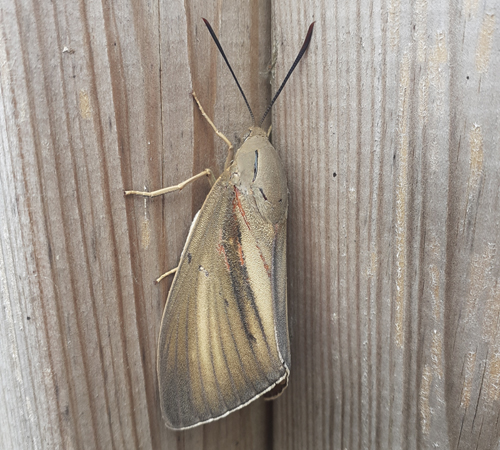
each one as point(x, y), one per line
point(220, 345)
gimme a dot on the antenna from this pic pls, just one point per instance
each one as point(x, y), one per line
point(307, 40)
point(297, 59)
point(228, 65)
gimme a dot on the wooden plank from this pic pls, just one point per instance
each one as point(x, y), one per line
point(390, 136)
point(96, 99)
point(389, 132)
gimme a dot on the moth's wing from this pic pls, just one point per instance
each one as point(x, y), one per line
point(279, 289)
point(221, 341)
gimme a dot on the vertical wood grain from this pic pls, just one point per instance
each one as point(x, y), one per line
point(389, 132)
point(96, 99)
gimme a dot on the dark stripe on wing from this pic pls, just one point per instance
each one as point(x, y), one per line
point(236, 346)
point(239, 281)
point(233, 250)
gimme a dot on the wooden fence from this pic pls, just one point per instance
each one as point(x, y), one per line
point(389, 131)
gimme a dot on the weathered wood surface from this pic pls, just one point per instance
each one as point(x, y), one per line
point(390, 134)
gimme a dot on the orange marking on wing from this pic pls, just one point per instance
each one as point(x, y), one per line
point(237, 203)
point(240, 253)
point(265, 264)
point(228, 267)
point(220, 248)
point(222, 251)
point(240, 206)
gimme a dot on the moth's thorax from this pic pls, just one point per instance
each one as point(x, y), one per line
point(258, 173)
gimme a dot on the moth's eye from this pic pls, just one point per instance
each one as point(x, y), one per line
point(255, 165)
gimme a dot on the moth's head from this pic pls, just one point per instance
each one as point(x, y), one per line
point(257, 131)
point(253, 131)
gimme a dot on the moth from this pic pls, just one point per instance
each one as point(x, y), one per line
point(224, 332)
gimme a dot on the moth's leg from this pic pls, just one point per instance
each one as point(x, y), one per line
point(178, 187)
point(166, 274)
point(269, 131)
point(230, 150)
